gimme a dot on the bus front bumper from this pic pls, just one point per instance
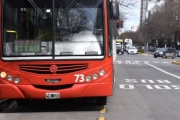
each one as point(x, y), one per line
point(9, 91)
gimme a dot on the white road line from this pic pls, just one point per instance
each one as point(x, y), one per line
point(155, 62)
point(128, 62)
point(166, 62)
point(119, 62)
point(163, 70)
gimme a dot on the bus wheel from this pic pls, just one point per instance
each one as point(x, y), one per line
point(23, 102)
point(101, 100)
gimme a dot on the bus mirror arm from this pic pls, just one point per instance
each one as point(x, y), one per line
point(115, 10)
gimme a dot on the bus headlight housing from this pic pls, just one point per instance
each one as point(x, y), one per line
point(17, 80)
point(102, 72)
point(9, 77)
point(3, 74)
point(88, 78)
point(95, 76)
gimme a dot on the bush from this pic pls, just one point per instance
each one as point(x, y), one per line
point(140, 51)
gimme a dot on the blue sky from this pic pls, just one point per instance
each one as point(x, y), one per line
point(132, 16)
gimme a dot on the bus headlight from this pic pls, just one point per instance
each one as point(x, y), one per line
point(3, 74)
point(9, 77)
point(17, 80)
point(88, 79)
point(102, 72)
point(95, 76)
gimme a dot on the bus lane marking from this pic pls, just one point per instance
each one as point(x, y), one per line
point(163, 70)
point(131, 84)
point(150, 87)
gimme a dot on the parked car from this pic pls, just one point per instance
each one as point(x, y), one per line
point(132, 50)
point(178, 53)
point(165, 52)
point(119, 49)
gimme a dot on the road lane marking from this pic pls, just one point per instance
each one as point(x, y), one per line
point(166, 62)
point(103, 110)
point(149, 87)
point(163, 70)
point(101, 118)
point(119, 62)
point(128, 62)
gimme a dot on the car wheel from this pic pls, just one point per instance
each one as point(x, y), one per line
point(155, 56)
point(174, 56)
point(164, 56)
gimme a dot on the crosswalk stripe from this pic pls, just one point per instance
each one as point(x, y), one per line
point(138, 62)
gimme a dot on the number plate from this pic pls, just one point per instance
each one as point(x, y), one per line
point(52, 95)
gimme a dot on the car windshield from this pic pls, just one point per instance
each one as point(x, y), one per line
point(161, 49)
point(132, 48)
point(52, 28)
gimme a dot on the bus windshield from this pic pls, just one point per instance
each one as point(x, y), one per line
point(55, 29)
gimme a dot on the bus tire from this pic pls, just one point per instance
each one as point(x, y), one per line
point(23, 102)
point(101, 100)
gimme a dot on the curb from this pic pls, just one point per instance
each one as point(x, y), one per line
point(176, 62)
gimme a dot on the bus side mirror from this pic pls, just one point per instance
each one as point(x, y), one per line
point(115, 10)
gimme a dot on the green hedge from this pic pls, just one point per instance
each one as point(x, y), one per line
point(140, 51)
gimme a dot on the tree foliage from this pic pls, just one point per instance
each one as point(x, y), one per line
point(162, 23)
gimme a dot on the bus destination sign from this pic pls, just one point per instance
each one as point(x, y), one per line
point(26, 46)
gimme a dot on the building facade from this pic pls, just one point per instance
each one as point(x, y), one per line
point(147, 8)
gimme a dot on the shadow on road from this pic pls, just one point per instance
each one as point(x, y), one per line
point(52, 106)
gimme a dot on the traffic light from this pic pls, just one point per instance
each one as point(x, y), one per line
point(119, 23)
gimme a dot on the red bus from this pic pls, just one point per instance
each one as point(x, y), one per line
point(56, 49)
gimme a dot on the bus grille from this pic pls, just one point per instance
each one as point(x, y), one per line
point(45, 69)
point(53, 87)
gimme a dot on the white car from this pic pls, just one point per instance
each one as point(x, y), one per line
point(132, 50)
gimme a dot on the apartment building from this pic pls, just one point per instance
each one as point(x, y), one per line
point(147, 8)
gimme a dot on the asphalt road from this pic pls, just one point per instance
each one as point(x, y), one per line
point(146, 88)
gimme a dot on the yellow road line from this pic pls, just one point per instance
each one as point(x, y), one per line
point(101, 118)
point(103, 110)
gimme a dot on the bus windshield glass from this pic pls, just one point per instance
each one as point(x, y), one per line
point(52, 28)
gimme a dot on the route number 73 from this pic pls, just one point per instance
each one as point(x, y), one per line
point(79, 77)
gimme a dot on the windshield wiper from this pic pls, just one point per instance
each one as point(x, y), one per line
point(70, 6)
point(37, 8)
